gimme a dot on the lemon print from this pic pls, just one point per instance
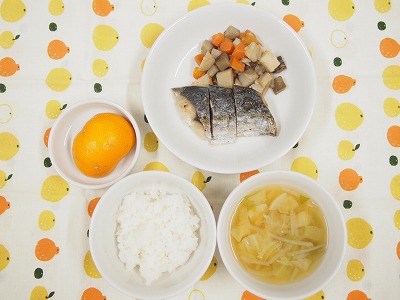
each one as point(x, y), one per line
point(156, 165)
point(7, 39)
point(56, 7)
point(382, 6)
point(391, 77)
point(4, 257)
point(47, 220)
point(5, 113)
point(142, 64)
point(341, 10)
point(359, 233)
point(242, 1)
point(54, 109)
point(305, 166)
point(105, 37)
point(395, 187)
point(9, 145)
point(12, 10)
point(148, 7)
point(151, 142)
point(193, 4)
point(391, 107)
point(196, 295)
point(348, 116)
point(54, 188)
point(355, 270)
point(40, 293)
point(212, 268)
point(396, 219)
point(199, 180)
point(4, 178)
point(150, 33)
point(339, 38)
point(89, 266)
point(59, 79)
point(318, 296)
point(100, 67)
point(346, 150)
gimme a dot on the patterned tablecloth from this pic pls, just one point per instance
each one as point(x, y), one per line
point(351, 146)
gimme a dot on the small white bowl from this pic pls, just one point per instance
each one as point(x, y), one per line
point(336, 245)
point(62, 135)
point(103, 245)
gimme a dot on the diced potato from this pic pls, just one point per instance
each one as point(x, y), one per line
point(269, 61)
point(265, 79)
point(215, 52)
point(279, 85)
point(207, 46)
point(260, 69)
point(236, 42)
point(248, 77)
point(232, 32)
point(257, 87)
point(253, 51)
point(222, 61)
point(207, 62)
point(213, 70)
point(225, 78)
point(204, 80)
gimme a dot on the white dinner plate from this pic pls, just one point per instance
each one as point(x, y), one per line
point(170, 64)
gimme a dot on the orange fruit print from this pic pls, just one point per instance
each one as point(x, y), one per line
point(357, 295)
point(92, 205)
point(46, 249)
point(245, 175)
point(57, 49)
point(389, 48)
point(102, 7)
point(342, 84)
point(249, 296)
point(93, 294)
point(349, 179)
point(294, 22)
point(8, 67)
point(393, 136)
point(4, 204)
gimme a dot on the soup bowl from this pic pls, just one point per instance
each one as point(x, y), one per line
point(336, 236)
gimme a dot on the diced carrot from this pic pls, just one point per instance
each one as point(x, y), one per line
point(197, 73)
point(239, 52)
point(236, 64)
point(198, 58)
point(217, 39)
point(244, 33)
point(249, 38)
point(227, 46)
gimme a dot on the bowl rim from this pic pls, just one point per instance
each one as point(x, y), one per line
point(76, 106)
point(224, 221)
point(197, 196)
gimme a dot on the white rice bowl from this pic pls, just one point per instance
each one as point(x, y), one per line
point(200, 241)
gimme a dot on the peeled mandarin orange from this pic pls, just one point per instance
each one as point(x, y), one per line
point(102, 143)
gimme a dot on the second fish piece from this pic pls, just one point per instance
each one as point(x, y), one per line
point(223, 115)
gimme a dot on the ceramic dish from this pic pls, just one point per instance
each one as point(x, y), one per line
point(62, 135)
point(336, 238)
point(103, 244)
point(170, 64)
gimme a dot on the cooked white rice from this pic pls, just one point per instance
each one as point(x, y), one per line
point(156, 231)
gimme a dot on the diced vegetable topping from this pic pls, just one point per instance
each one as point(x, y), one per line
point(253, 66)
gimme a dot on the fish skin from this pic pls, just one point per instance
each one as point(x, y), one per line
point(199, 97)
point(253, 116)
point(223, 116)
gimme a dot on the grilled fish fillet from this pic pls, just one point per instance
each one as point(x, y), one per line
point(253, 116)
point(223, 115)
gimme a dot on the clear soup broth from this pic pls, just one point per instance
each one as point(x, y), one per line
point(278, 234)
